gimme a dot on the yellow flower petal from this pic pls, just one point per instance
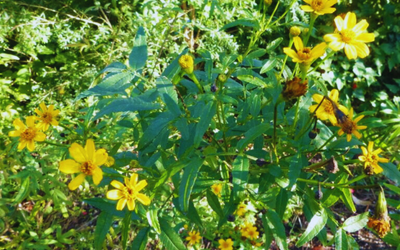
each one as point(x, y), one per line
point(97, 175)
point(334, 95)
point(100, 157)
point(339, 22)
point(134, 179)
point(357, 134)
point(78, 153)
point(298, 43)
point(22, 145)
point(69, 166)
point(361, 26)
point(114, 194)
point(40, 136)
point(90, 150)
point(30, 121)
point(370, 146)
point(318, 50)
point(121, 204)
point(143, 199)
point(350, 20)
point(142, 184)
point(14, 133)
point(366, 37)
point(307, 8)
point(43, 107)
point(350, 51)
point(117, 184)
point(76, 182)
point(362, 49)
point(131, 204)
point(30, 145)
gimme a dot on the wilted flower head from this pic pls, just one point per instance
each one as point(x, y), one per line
point(380, 222)
point(295, 88)
point(351, 36)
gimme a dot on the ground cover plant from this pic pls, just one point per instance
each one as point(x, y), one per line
point(199, 125)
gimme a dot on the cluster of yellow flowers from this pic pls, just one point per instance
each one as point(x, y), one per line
point(32, 131)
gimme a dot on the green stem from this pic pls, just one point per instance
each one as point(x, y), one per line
point(329, 185)
point(284, 14)
point(194, 79)
point(296, 117)
point(309, 122)
point(286, 57)
point(310, 28)
point(54, 144)
point(321, 62)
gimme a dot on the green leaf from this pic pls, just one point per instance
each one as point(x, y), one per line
point(270, 64)
point(316, 224)
point(275, 223)
point(138, 56)
point(188, 179)
point(126, 226)
point(391, 172)
point(173, 68)
point(341, 242)
point(205, 120)
point(252, 134)
point(275, 43)
point(152, 218)
point(23, 191)
point(240, 175)
point(109, 207)
point(103, 224)
point(127, 104)
point(193, 215)
point(253, 80)
point(165, 87)
point(214, 203)
point(294, 169)
point(243, 22)
point(347, 199)
point(140, 241)
point(392, 187)
point(281, 202)
point(355, 223)
point(169, 237)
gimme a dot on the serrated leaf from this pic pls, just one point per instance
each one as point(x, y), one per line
point(103, 224)
point(138, 55)
point(240, 175)
point(127, 104)
point(169, 237)
point(347, 199)
point(341, 242)
point(270, 64)
point(275, 224)
point(208, 113)
point(355, 223)
point(140, 241)
point(252, 134)
point(188, 180)
point(316, 224)
point(214, 203)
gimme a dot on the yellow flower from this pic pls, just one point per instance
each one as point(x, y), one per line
point(304, 55)
point(327, 109)
point(241, 209)
point(351, 36)
point(128, 193)
point(294, 88)
point(186, 62)
point(87, 161)
point(295, 31)
point(47, 116)
point(110, 161)
point(216, 189)
point(319, 7)
point(193, 238)
point(371, 159)
point(249, 231)
point(28, 133)
point(225, 244)
point(350, 126)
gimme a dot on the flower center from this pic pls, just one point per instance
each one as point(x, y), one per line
point(28, 134)
point(47, 117)
point(225, 245)
point(130, 193)
point(328, 107)
point(304, 53)
point(317, 5)
point(347, 35)
point(348, 126)
point(87, 168)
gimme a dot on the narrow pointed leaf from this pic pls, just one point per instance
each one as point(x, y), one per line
point(316, 224)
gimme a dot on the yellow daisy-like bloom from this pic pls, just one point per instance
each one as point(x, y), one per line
point(249, 231)
point(351, 36)
point(304, 55)
point(241, 209)
point(28, 133)
point(128, 193)
point(371, 159)
point(87, 161)
point(327, 110)
point(47, 116)
point(193, 238)
point(186, 62)
point(225, 244)
point(350, 126)
point(319, 7)
point(216, 189)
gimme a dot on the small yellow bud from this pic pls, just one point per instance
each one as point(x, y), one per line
point(295, 31)
point(134, 164)
point(222, 78)
point(268, 2)
point(110, 161)
point(186, 62)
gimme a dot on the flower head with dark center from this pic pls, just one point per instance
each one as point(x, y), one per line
point(87, 161)
point(193, 238)
point(128, 193)
point(319, 7)
point(349, 126)
point(28, 133)
point(351, 36)
point(304, 55)
point(225, 244)
point(371, 159)
point(47, 116)
point(328, 109)
point(216, 189)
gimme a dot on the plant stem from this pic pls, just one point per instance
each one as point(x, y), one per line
point(194, 79)
point(296, 114)
point(310, 27)
point(54, 144)
point(329, 185)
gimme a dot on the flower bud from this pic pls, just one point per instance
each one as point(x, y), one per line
point(214, 88)
point(186, 62)
point(268, 2)
point(295, 31)
point(222, 78)
point(110, 161)
point(380, 222)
